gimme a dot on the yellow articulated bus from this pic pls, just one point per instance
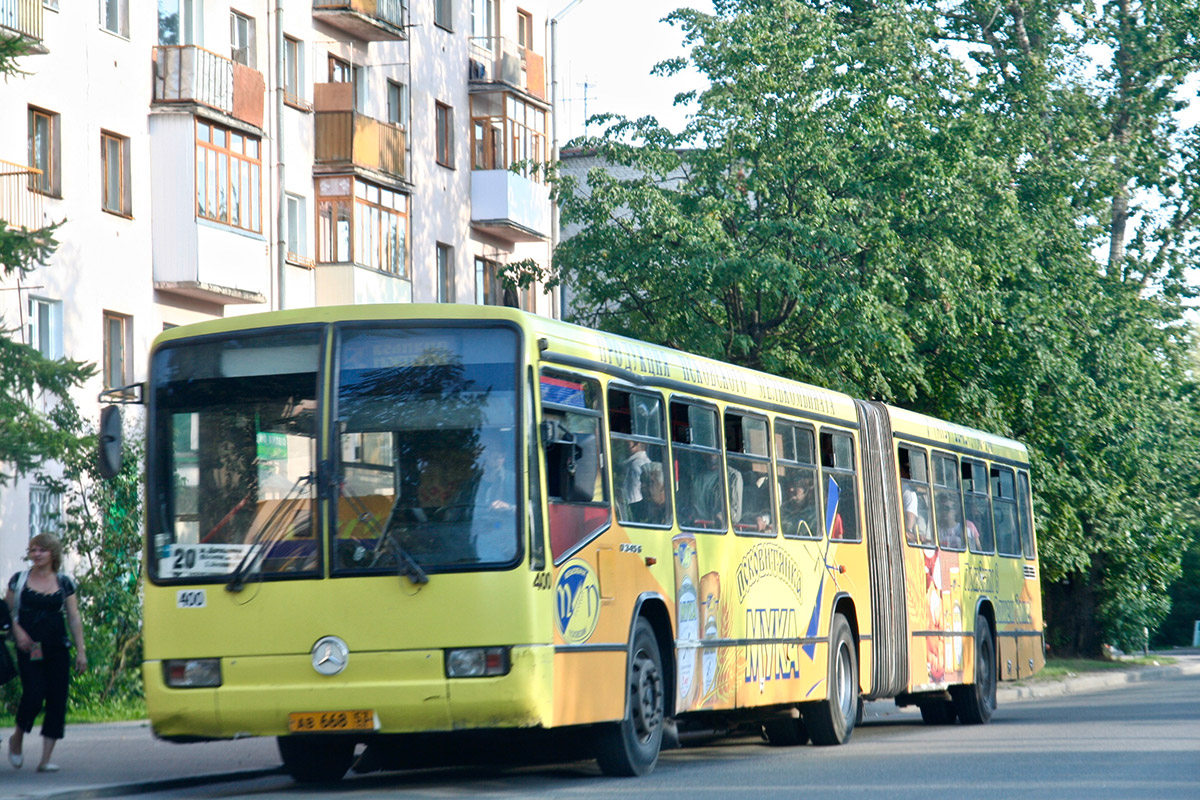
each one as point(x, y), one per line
point(395, 525)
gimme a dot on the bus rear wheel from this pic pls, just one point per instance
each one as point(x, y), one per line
point(630, 747)
point(785, 732)
point(316, 759)
point(831, 721)
point(975, 702)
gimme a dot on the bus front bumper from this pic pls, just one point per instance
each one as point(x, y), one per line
point(407, 691)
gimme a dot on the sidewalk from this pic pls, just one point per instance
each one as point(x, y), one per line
point(121, 759)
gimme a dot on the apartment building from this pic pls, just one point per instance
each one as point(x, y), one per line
point(215, 158)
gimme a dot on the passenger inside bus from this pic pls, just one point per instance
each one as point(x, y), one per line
point(705, 492)
point(630, 476)
point(950, 526)
point(916, 501)
point(652, 508)
point(800, 506)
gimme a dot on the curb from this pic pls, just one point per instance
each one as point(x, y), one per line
point(147, 787)
point(1093, 683)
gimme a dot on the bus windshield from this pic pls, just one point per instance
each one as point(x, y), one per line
point(427, 465)
point(233, 455)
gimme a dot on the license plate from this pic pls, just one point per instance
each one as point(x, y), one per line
point(332, 721)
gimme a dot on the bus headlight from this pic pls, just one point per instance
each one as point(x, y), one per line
point(192, 673)
point(477, 662)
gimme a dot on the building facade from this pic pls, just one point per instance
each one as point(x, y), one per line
point(213, 158)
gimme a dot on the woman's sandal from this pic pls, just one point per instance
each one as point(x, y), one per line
point(16, 759)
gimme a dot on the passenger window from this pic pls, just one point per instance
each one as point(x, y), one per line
point(635, 423)
point(978, 509)
point(838, 484)
point(797, 474)
point(1025, 515)
point(570, 434)
point(699, 472)
point(914, 492)
point(953, 534)
point(751, 498)
point(1004, 511)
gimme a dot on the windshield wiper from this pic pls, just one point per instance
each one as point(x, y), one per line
point(406, 565)
point(268, 535)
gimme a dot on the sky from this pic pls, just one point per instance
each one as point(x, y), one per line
point(607, 49)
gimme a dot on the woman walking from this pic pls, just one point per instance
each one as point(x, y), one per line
point(38, 597)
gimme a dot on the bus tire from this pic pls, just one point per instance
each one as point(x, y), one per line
point(785, 732)
point(976, 701)
point(630, 747)
point(938, 712)
point(316, 759)
point(831, 721)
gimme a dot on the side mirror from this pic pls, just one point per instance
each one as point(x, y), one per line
point(109, 455)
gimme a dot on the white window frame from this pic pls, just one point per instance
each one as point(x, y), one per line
point(297, 229)
point(112, 381)
point(242, 48)
point(45, 510)
point(445, 273)
point(114, 17)
point(45, 326)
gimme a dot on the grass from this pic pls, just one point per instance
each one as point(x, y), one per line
point(1057, 669)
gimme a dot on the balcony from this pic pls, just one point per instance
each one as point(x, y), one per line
point(366, 20)
point(509, 206)
point(191, 76)
point(349, 141)
point(19, 206)
point(23, 18)
point(495, 59)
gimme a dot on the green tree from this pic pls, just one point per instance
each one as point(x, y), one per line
point(27, 435)
point(102, 526)
point(852, 206)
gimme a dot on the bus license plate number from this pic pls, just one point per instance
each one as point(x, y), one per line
point(331, 721)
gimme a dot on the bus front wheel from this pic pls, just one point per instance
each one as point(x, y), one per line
point(976, 701)
point(831, 721)
point(316, 759)
point(630, 747)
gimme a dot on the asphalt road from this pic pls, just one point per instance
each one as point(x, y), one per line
point(1089, 737)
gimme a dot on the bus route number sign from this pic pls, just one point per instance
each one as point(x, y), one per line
point(332, 721)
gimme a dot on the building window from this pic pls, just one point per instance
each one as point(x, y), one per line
point(445, 273)
point(445, 134)
point(116, 345)
point(45, 511)
point(362, 223)
point(293, 72)
point(524, 30)
point(341, 71)
point(241, 39)
point(44, 151)
point(489, 289)
point(228, 176)
point(176, 22)
point(114, 16)
point(397, 103)
point(483, 22)
point(297, 231)
point(45, 327)
point(441, 14)
point(506, 130)
point(114, 170)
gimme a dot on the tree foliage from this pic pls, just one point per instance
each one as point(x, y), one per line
point(102, 527)
point(981, 212)
point(29, 383)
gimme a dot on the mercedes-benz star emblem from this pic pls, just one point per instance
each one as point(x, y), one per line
point(330, 655)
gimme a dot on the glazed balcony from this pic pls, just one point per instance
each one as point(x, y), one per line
point(192, 76)
point(20, 206)
point(23, 18)
point(509, 206)
point(347, 140)
point(365, 20)
point(497, 60)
